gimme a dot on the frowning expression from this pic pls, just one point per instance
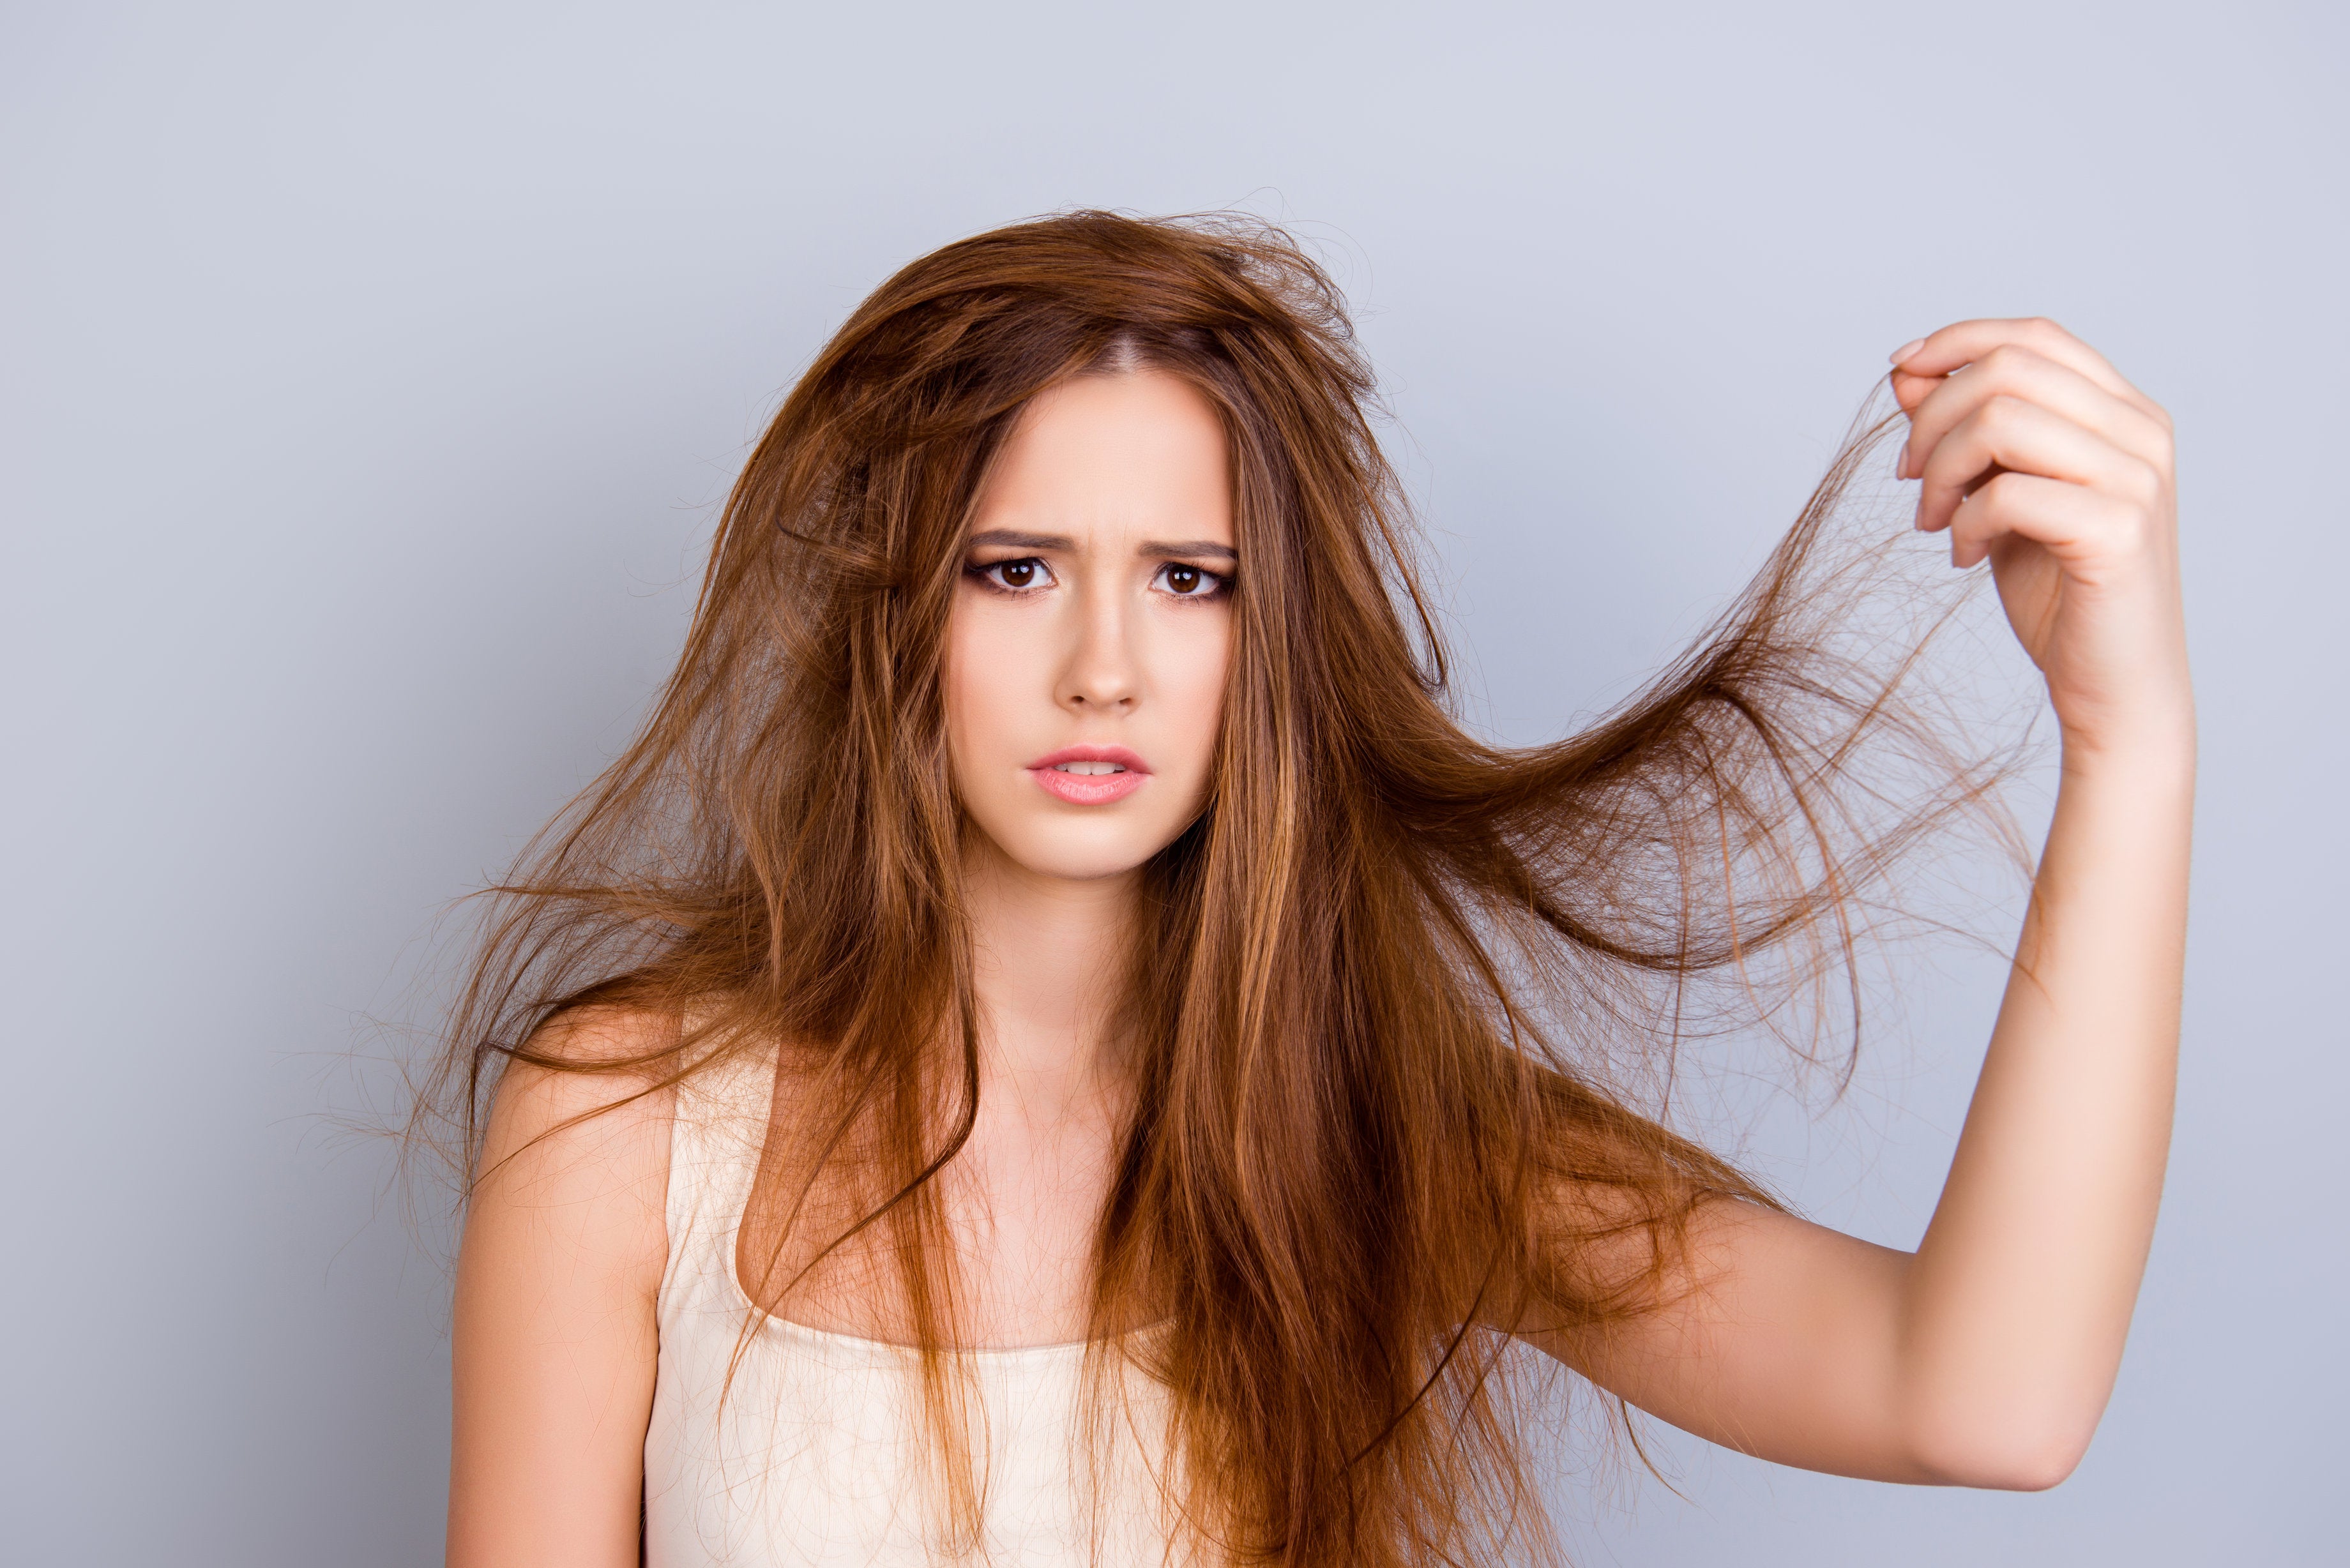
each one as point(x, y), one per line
point(1092, 626)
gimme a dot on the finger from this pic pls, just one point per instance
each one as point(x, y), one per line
point(2067, 519)
point(1964, 342)
point(2010, 433)
point(1911, 391)
point(2013, 370)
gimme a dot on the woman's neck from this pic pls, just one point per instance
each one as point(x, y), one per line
point(1049, 956)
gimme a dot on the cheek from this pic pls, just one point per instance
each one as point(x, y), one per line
point(1191, 690)
point(981, 675)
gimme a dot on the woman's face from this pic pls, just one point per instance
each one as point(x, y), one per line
point(1086, 651)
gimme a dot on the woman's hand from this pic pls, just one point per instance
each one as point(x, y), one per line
point(2037, 454)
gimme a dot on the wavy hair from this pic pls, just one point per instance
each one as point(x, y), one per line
point(1397, 974)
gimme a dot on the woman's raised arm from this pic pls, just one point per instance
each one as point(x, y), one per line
point(556, 1340)
point(1986, 1357)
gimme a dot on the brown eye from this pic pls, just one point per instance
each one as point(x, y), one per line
point(1184, 582)
point(1014, 577)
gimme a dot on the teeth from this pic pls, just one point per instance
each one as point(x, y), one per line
point(1087, 770)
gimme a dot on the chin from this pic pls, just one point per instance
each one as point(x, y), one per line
point(1074, 852)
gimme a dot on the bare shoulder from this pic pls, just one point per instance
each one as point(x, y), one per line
point(579, 1138)
point(598, 1062)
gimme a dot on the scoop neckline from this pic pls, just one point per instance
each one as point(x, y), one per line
point(894, 1349)
point(876, 1349)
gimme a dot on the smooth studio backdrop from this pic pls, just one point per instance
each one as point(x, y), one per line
point(368, 377)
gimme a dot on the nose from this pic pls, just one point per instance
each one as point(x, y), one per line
point(1101, 674)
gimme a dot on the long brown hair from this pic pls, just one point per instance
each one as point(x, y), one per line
point(1396, 972)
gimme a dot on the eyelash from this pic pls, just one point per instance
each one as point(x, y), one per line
point(984, 573)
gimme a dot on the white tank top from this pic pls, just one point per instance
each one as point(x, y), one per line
point(816, 1457)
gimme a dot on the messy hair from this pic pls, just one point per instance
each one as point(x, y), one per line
point(1395, 971)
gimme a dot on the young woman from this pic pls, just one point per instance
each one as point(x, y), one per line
point(1053, 1045)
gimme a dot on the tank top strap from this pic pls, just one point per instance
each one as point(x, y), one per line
point(715, 1140)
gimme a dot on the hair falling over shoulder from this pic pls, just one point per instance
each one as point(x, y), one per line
point(1399, 978)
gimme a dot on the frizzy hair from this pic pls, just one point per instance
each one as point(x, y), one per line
point(1395, 973)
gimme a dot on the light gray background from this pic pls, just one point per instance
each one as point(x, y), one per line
point(372, 374)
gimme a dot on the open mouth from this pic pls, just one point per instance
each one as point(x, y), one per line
point(1089, 775)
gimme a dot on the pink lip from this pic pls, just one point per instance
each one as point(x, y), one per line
point(1089, 789)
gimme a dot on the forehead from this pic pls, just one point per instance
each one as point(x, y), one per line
point(1140, 453)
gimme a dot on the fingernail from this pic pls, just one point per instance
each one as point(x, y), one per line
point(1906, 350)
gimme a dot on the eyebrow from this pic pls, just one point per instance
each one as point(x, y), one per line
point(1011, 539)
